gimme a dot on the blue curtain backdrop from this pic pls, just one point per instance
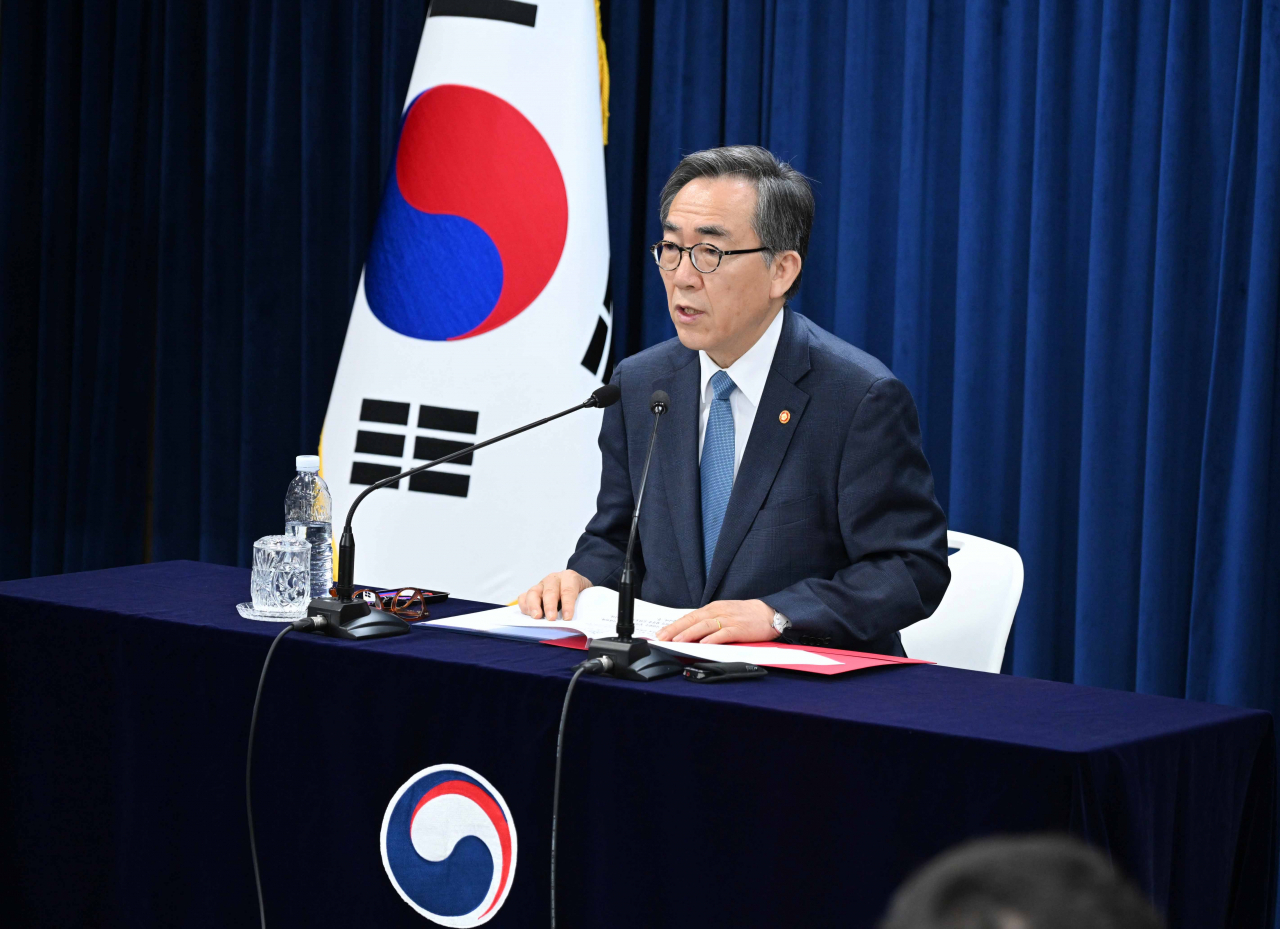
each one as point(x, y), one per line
point(1057, 222)
point(187, 192)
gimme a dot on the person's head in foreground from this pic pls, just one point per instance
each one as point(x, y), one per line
point(1025, 882)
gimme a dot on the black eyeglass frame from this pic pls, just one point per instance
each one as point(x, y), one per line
point(653, 250)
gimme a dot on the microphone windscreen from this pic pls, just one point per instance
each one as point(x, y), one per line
point(607, 395)
point(659, 402)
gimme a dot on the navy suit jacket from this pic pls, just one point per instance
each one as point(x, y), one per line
point(832, 519)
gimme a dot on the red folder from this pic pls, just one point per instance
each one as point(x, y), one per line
point(848, 661)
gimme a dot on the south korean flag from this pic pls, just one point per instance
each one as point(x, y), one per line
point(482, 306)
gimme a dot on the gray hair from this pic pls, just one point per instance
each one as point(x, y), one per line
point(784, 201)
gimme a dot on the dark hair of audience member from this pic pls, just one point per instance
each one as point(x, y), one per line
point(1025, 882)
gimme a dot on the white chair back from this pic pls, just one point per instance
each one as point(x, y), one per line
point(971, 625)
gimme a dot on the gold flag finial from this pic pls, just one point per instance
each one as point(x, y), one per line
point(604, 77)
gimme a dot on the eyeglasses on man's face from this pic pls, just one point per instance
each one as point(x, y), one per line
point(705, 256)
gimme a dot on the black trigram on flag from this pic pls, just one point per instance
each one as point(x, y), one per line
point(509, 11)
point(385, 444)
point(601, 345)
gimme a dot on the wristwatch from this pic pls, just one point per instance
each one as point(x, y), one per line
point(780, 623)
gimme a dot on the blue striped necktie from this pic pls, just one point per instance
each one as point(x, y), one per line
point(717, 464)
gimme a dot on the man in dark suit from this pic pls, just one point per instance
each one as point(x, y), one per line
point(789, 496)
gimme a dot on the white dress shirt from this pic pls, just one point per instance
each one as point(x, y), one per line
point(749, 374)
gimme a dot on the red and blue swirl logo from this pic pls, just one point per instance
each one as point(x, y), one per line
point(449, 846)
point(473, 219)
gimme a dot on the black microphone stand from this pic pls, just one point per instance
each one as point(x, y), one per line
point(345, 617)
point(630, 658)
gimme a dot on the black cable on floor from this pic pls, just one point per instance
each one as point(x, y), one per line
point(594, 666)
point(300, 625)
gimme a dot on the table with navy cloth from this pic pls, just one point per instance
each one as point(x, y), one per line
point(787, 801)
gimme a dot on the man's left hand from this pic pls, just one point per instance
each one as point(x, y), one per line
point(723, 621)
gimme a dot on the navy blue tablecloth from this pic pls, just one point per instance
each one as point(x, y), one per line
point(792, 800)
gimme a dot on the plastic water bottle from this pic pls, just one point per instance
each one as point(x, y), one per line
point(308, 512)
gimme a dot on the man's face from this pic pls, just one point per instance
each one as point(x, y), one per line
point(723, 312)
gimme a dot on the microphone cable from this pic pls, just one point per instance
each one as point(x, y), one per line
point(301, 625)
point(594, 666)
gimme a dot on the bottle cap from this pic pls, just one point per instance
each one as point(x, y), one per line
point(308, 462)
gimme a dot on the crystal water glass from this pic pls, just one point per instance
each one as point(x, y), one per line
point(281, 580)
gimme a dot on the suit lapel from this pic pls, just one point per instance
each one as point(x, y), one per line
point(765, 450)
point(677, 461)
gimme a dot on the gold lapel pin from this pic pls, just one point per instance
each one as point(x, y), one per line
point(784, 417)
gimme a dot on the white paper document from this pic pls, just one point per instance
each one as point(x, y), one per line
point(596, 616)
point(753, 655)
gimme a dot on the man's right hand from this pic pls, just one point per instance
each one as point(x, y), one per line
point(556, 593)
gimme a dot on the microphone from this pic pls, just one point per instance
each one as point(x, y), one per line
point(629, 658)
point(658, 404)
point(347, 618)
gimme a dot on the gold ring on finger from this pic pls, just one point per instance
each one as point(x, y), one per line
point(719, 625)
